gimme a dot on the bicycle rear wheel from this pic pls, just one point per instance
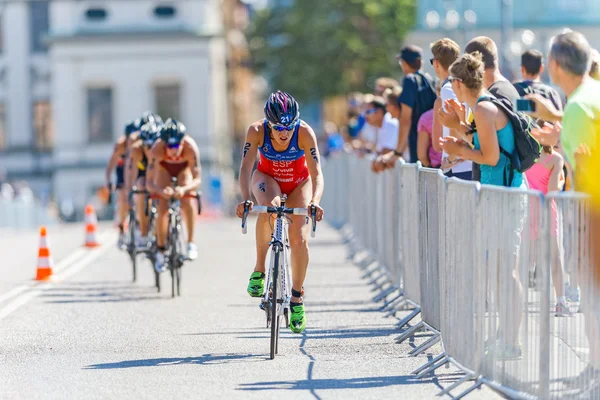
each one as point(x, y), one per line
point(274, 306)
point(131, 247)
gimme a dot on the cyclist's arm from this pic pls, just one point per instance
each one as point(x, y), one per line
point(248, 159)
point(117, 152)
point(307, 141)
point(194, 161)
point(131, 172)
point(151, 168)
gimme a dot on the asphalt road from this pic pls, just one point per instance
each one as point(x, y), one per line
point(93, 334)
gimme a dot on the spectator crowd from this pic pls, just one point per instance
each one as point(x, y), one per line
point(474, 124)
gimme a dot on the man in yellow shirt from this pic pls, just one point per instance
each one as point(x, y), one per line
point(569, 65)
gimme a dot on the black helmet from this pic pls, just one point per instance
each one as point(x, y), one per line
point(172, 132)
point(149, 116)
point(282, 109)
point(150, 133)
point(131, 126)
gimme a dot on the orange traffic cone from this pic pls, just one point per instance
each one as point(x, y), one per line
point(45, 263)
point(91, 223)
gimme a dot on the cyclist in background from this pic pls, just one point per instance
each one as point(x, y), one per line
point(175, 154)
point(136, 174)
point(283, 140)
point(117, 162)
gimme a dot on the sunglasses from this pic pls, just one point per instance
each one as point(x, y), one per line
point(371, 111)
point(173, 145)
point(431, 60)
point(454, 78)
point(281, 128)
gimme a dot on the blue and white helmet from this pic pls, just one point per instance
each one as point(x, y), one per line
point(149, 133)
point(172, 132)
point(282, 109)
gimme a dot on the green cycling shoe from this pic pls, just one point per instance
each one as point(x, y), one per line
point(298, 318)
point(256, 286)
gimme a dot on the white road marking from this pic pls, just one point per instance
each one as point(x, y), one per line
point(74, 263)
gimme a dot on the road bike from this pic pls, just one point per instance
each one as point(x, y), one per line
point(278, 294)
point(175, 255)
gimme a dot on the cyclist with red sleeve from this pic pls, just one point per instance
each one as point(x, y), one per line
point(289, 164)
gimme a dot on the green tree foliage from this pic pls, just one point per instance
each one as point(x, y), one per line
point(319, 48)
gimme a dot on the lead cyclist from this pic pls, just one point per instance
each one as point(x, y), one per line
point(289, 164)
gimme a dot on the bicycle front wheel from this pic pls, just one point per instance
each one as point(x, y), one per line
point(174, 261)
point(274, 306)
point(131, 248)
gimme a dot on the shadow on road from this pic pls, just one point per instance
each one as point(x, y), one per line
point(207, 359)
point(99, 292)
point(316, 334)
point(352, 383)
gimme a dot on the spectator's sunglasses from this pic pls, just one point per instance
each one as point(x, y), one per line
point(371, 111)
point(431, 60)
point(281, 128)
point(454, 78)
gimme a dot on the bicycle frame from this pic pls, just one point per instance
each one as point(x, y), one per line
point(279, 244)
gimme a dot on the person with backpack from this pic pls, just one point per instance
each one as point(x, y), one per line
point(499, 133)
point(495, 131)
point(418, 96)
point(531, 69)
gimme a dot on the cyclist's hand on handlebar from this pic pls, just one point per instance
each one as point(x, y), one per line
point(167, 192)
point(179, 193)
point(242, 207)
point(319, 212)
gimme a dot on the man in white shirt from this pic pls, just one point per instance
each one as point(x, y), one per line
point(385, 127)
point(445, 51)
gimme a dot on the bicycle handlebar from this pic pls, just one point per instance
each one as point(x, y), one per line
point(277, 210)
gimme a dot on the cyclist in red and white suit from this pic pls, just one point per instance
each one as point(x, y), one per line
point(289, 163)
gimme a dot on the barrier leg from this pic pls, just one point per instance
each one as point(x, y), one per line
point(429, 364)
point(455, 385)
point(410, 316)
point(476, 385)
point(433, 368)
point(378, 277)
point(390, 304)
point(430, 342)
point(410, 332)
point(381, 285)
point(385, 293)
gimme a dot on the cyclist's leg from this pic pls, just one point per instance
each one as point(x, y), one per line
point(298, 235)
point(267, 193)
point(163, 179)
point(140, 207)
point(188, 207)
point(123, 207)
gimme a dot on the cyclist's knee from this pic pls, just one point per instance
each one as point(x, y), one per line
point(298, 240)
point(162, 207)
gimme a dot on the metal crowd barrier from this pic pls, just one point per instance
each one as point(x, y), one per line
point(484, 267)
point(23, 213)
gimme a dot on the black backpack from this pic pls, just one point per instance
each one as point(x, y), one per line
point(527, 148)
point(535, 87)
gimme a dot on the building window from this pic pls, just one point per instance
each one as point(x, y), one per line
point(99, 114)
point(96, 14)
point(39, 23)
point(42, 125)
point(3, 137)
point(165, 11)
point(168, 103)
